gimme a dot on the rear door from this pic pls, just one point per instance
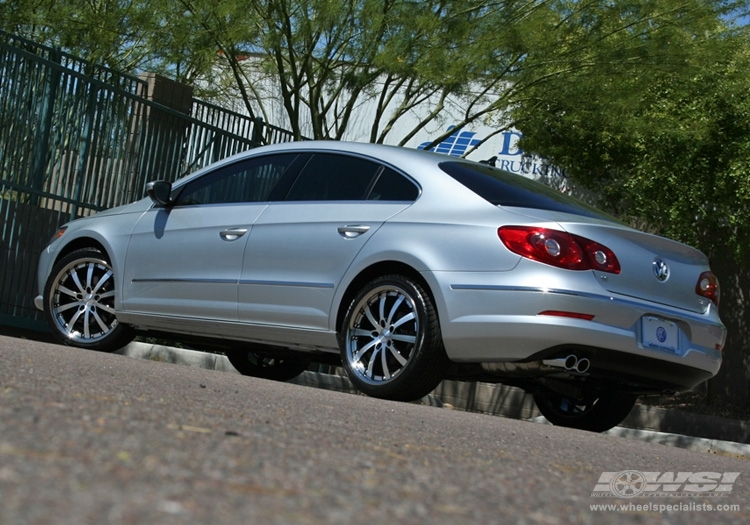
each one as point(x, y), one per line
point(300, 248)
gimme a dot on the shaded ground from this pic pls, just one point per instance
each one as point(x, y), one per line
point(699, 402)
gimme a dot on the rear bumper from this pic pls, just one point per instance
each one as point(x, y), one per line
point(495, 324)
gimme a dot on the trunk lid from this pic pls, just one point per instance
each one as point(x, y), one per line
point(653, 268)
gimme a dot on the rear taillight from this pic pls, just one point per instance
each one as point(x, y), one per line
point(708, 287)
point(558, 248)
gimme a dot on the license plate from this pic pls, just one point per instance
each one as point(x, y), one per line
point(660, 334)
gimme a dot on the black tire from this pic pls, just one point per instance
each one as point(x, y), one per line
point(390, 340)
point(79, 303)
point(597, 413)
point(249, 363)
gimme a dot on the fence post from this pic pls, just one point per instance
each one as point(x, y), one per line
point(161, 140)
point(258, 137)
point(43, 131)
point(168, 92)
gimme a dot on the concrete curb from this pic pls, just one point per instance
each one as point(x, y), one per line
point(643, 424)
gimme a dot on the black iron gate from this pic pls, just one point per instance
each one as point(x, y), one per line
point(76, 138)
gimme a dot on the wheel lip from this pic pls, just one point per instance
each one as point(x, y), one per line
point(357, 312)
point(53, 310)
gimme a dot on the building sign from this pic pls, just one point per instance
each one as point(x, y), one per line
point(503, 146)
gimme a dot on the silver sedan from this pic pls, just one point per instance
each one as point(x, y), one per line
point(406, 267)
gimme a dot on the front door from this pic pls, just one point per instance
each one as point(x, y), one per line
point(185, 260)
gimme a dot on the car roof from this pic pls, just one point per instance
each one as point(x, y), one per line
point(399, 155)
point(411, 161)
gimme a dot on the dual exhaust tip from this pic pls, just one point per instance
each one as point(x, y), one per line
point(571, 363)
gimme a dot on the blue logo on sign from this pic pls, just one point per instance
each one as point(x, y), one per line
point(661, 334)
point(455, 145)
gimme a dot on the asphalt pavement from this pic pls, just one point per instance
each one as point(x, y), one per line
point(89, 438)
point(695, 432)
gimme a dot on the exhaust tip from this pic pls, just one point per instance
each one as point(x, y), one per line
point(571, 362)
point(583, 365)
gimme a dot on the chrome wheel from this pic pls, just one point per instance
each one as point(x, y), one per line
point(80, 302)
point(382, 335)
point(390, 342)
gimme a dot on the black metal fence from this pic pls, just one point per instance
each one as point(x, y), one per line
point(76, 138)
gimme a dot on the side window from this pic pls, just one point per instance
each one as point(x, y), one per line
point(392, 186)
point(249, 180)
point(332, 177)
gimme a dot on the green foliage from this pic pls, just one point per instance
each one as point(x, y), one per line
point(107, 32)
point(654, 119)
point(308, 64)
point(643, 101)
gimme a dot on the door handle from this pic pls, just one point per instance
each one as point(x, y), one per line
point(352, 231)
point(232, 234)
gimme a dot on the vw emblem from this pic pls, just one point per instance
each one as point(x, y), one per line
point(661, 270)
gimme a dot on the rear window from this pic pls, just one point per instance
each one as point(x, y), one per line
point(503, 188)
point(392, 186)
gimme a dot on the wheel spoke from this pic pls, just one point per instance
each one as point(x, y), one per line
point(360, 352)
point(77, 281)
point(67, 291)
point(106, 308)
point(101, 282)
point(65, 307)
point(384, 364)
point(405, 319)
point(360, 332)
point(405, 338)
point(396, 354)
point(370, 317)
point(90, 275)
point(100, 322)
point(72, 322)
point(371, 364)
point(87, 323)
point(394, 309)
point(381, 310)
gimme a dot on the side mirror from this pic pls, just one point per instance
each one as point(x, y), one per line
point(160, 191)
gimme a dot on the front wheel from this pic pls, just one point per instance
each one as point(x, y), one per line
point(79, 303)
point(390, 340)
point(597, 412)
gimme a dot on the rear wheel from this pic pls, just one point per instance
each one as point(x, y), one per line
point(595, 412)
point(391, 345)
point(79, 303)
point(249, 363)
